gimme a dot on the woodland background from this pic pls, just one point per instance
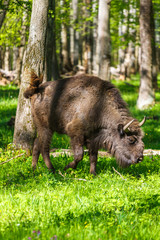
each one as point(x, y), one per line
point(75, 36)
point(62, 38)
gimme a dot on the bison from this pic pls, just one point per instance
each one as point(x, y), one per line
point(91, 112)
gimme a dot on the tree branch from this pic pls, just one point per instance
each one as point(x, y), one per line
point(119, 173)
point(12, 158)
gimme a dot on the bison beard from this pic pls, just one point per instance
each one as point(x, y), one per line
point(91, 112)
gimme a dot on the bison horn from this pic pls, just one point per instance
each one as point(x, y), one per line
point(128, 124)
point(142, 122)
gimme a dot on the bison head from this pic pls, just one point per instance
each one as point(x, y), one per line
point(125, 143)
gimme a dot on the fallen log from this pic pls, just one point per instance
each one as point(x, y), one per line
point(68, 152)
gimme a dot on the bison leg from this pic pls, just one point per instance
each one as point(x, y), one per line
point(77, 147)
point(36, 153)
point(74, 129)
point(45, 136)
point(93, 161)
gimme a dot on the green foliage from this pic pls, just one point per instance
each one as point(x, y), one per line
point(12, 30)
point(123, 14)
point(75, 205)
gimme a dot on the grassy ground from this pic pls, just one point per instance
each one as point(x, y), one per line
point(78, 206)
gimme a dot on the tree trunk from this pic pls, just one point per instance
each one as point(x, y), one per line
point(65, 37)
point(1, 56)
point(146, 93)
point(66, 60)
point(87, 46)
point(19, 64)
point(25, 132)
point(130, 61)
point(6, 59)
point(94, 41)
point(76, 33)
point(103, 48)
point(154, 57)
point(51, 56)
point(137, 50)
point(15, 56)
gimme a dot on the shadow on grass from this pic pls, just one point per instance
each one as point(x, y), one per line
point(7, 110)
point(6, 135)
point(149, 166)
point(8, 92)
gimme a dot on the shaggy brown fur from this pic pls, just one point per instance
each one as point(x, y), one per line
point(34, 83)
point(90, 111)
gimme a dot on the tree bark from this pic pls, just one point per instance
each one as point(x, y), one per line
point(103, 48)
point(66, 60)
point(2, 57)
point(94, 41)
point(76, 33)
point(146, 96)
point(52, 68)
point(6, 59)
point(87, 45)
point(15, 56)
point(65, 36)
point(25, 132)
point(137, 50)
point(154, 57)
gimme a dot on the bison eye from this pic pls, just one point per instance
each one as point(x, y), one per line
point(132, 140)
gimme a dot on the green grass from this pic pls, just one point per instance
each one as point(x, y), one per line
point(8, 105)
point(152, 125)
point(102, 207)
point(78, 206)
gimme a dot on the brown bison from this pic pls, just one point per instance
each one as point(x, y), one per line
point(91, 112)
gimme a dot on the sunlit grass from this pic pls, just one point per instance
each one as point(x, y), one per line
point(80, 206)
point(75, 205)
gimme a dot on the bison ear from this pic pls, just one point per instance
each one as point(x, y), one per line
point(120, 130)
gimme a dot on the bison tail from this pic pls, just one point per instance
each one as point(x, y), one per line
point(35, 81)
